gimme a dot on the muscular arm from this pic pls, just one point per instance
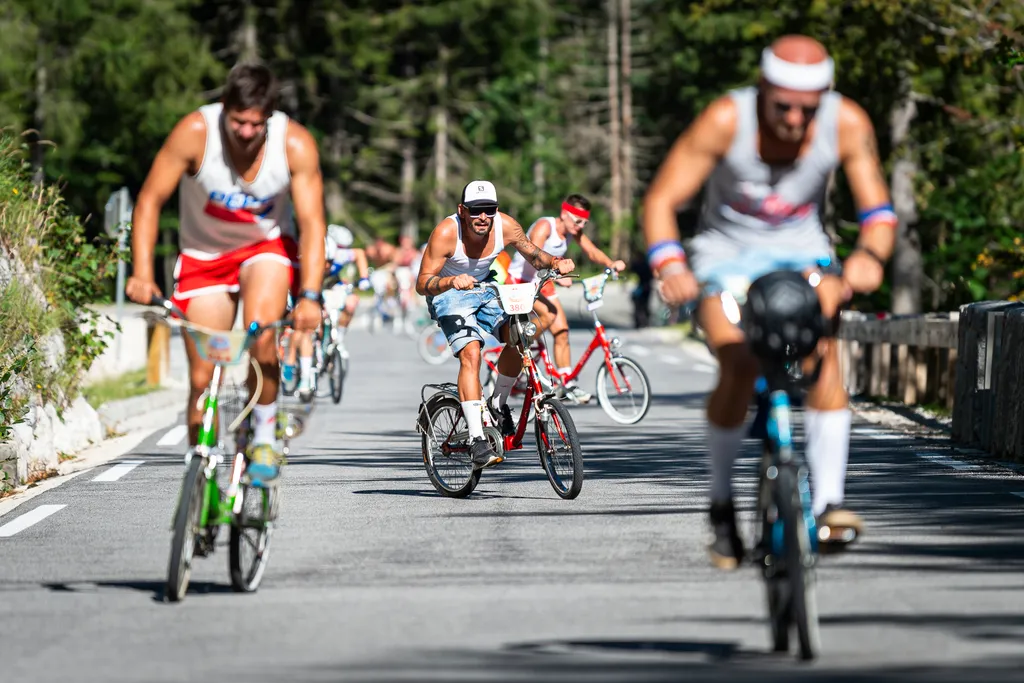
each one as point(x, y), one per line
point(440, 246)
point(181, 153)
point(362, 265)
point(308, 199)
point(514, 235)
point(858, 150)
point(688, 164)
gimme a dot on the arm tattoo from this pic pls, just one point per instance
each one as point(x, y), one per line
point(433, 282)
point(534, 254)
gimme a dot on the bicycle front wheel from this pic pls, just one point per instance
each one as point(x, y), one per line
point(249, 547)
point(433, 346)
point(187, 524)
point(799, 564)
point(558, 445)
point(624, 392)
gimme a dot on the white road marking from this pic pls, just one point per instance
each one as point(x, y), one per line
point(948, 462)
point(704, 367)
point(28, 519)
point(119, 470)
point(174, 436)
point(671, 360)
point(641, 351)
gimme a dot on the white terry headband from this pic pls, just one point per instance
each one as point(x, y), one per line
point(808, 77)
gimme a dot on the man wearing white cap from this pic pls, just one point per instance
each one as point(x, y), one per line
point(766, 154)
point(458, 254)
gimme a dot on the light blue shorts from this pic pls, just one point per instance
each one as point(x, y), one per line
point(467, 315)
point(720, 271)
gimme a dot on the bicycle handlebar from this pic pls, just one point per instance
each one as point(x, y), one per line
point(173, 312)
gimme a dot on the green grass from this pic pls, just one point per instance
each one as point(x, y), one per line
point(128, 385)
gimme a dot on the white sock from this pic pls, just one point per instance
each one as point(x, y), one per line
point(565, 371)
point(827, 444)
point(305, 365)
point(502, 388)
point(473, 410)
point(723, 446)
point(264, 423)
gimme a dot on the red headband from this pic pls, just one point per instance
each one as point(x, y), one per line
point(575, 210)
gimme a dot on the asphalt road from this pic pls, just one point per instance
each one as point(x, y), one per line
point(373, 576)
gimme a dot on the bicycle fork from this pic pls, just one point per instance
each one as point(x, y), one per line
point(780, 439)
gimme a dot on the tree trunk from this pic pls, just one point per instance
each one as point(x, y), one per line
point(907, 263)
point(538, 127)
point(249, 47)
point(614, 128)
point(407, 191)
point(441, 138)
point(39, 116)
point(622, 248)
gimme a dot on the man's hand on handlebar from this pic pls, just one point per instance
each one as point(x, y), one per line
point(678, 285)
point(862, 272)
point(463, 281)
point(564, 266)
point(141, 291)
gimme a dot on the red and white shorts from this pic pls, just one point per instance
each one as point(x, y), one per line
point(197, 276)
point(547, 290)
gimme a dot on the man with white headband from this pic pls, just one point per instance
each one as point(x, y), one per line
point(766, 154)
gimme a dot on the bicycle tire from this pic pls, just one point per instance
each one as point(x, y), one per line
point(776, 586)
point(459, 487)
point(799, 571)
point(187, 517)
point(576, 454)
point(603, 382)
point(430, 349)
point(246, 577)
point(336, 376)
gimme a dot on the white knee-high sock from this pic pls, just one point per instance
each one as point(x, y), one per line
point(827, 437)
point(724, 445)
point(473, 410)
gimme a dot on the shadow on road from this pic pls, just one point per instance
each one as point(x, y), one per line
point(155, 588)
point(641, 660)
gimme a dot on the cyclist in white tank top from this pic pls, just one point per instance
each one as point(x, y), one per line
point(767, 154)
point(553, 235)
point(236, 163)
point(458, 254)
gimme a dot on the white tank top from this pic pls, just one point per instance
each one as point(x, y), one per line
point(554, 245)
point(221, 212)
point(458, 263)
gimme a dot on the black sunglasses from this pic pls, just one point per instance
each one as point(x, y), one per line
point(489, 210)
point(785, 107)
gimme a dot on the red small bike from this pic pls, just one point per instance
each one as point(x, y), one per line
point(623, 389)
point(445, 434)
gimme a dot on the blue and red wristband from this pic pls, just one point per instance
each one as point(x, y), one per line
point(660, 254)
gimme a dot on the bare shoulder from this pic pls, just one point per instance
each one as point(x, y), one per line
point(443, 237)
point(301, 147)
point(188, 137)
point(511, 229)
point(856, 132)
point(715, 127)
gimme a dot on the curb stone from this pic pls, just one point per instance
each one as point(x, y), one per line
point(114, 414)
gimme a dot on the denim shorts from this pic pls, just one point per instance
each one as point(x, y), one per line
point(467, 315)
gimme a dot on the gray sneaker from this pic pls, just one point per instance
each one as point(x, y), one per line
point(573, 393)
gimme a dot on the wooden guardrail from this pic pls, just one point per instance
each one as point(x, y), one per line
point(990, 379)
point(911, 359)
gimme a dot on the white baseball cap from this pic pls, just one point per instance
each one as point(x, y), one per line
point(479, 193)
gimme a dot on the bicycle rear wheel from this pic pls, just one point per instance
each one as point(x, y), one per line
point(445, 446)
point(625, 395)
point(249, 547)
point(336, 371)
point(562, 463)
point(187, 524)
point(799, 564)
